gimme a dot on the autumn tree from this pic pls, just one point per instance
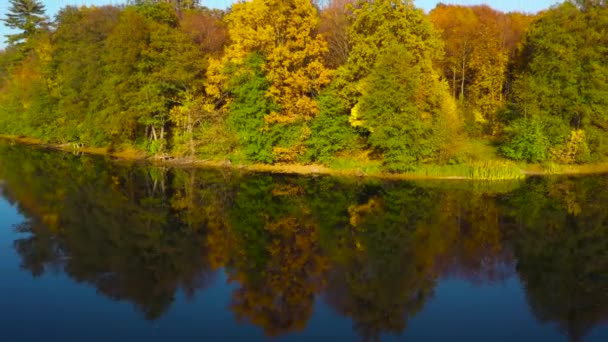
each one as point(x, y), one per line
point(199, 129)
point(26, 101)
point(480, 44)
point(458, 26)
point(334, 23)
point(206, 28)
point(292, 65)
point(489, 62)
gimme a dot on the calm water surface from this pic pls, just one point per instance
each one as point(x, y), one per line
point(92, 250)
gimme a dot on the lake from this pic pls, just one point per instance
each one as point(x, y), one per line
point(96, 250)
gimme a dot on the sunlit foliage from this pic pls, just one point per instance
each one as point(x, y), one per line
point(299, 81)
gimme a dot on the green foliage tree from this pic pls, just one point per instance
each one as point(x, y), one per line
point(562, 77)
point(248, 109)
point(80, 35)
point(403, 112)
point(149, 66)
point(331, 131)
point(526, 141)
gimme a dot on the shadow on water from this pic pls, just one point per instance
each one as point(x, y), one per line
point(374, 251)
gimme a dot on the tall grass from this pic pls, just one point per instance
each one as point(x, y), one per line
point(480, 170)
point(352, 164)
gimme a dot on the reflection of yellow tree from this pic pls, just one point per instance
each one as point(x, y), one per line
point(279, 283)
point(283, 300)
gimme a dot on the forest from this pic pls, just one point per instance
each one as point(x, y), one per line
point(378, 85)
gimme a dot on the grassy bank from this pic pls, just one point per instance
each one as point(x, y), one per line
point(490, 169)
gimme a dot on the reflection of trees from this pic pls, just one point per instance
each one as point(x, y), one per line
point(477, 235)
point(113, 227)
point(277, 259)
point(385, 268)
point(377, 249)
point(399, 241)
point(562, 251)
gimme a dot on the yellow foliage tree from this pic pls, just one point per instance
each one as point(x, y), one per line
point(479, 42)
point(283, 33)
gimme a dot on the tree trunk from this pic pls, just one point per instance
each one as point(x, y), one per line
point(464, 58)
point(454, 81)
point(162, 136)
point(190, 134)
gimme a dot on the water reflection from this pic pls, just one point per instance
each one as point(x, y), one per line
point(373, 251)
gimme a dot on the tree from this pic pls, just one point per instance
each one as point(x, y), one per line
point(480, 43)
point(562, 80)
point(389, 110)
point(248, 109)
point(333, 27)
point(282, 32)
point(26, 16)
point(80, 35)
point(206, 28)
point(151, 66)
point(179, 4)
point(489, 63)
point(26, 101)
point(395, 94)
point(458, 25)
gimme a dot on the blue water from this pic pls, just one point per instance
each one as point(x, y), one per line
point(458, 306)
point(54, 307)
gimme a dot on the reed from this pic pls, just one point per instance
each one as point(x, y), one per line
point(480, 170)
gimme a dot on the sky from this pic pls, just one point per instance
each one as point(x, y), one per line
point(52, 6)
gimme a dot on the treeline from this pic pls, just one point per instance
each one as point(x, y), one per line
point(301, 81)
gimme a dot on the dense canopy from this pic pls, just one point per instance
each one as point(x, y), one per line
point(340, 82)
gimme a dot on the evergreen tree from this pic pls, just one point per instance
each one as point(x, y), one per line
point(26, 16)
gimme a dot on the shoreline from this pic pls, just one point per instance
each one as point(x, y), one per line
point(135, 155)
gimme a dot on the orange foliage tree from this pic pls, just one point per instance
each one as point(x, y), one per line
point(479, 43)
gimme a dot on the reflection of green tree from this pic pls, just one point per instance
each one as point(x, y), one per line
point(385, 269)
point(562, 250)
point(106, 225)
